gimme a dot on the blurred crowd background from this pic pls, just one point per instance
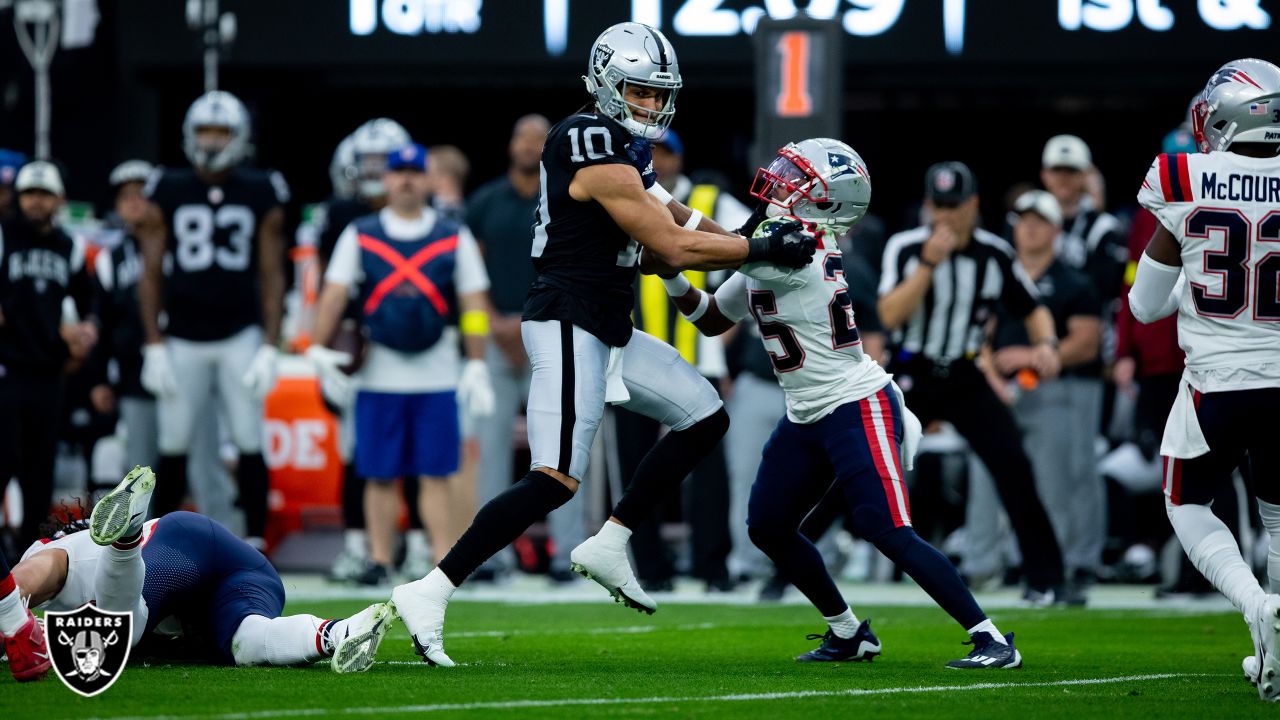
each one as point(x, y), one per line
point(1074, 97)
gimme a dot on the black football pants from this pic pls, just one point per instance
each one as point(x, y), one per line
point(959, 394)
point(30, 419)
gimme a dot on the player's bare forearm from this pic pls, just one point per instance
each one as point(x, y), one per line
point(642, 216)
point(681, 214)
point(474, 341)
point(40, 577)
point(333, 300)
point(271, 274)
point(712, 322)
point(898, 304)
point(1083, 340)
point(152, 235)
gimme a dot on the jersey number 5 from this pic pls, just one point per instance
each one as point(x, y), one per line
point(1231, 263)
point(194, 227)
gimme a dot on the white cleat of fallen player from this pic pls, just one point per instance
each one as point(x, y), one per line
point(362, 633)
point(1265, 628)
point(598, 560)
point(122, 512)
point(423, 614)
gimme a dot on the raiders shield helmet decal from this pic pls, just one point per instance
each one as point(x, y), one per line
point(89, 647)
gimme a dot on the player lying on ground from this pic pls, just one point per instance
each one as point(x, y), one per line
point(845, 417)
point(593, 217)
point(1218, 233)
point(185, 574)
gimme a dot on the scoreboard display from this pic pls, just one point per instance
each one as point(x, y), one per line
point(798, 82)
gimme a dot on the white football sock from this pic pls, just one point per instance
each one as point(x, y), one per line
point(354, 542)
point(1213, 550)
point(118, 582)
point(614, 535)
point(1271, 521)
point(989, 628)
point(844, 625)
point(290, 640)
point(13, 614)
point(437, 586)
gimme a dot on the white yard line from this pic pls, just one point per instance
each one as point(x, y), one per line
point(623, 630)
point(577, 702)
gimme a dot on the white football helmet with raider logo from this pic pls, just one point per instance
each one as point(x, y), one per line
point(216, 109)
point(631, 53)
point(1241, 103)
point(820, 181)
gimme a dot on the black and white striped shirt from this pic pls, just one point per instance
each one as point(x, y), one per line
point(951, 321)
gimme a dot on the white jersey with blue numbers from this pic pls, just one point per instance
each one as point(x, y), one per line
point(807, 326)
point(1224, 211)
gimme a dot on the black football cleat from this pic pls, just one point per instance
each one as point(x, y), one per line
point(988, 653)
point(863, 646)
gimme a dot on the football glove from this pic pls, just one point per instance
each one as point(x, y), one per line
point(475, 389)
point(640, 150)
point(787, 244)
point(335, 385)
point(157, 371)
point(757, 216)
point(261, 375)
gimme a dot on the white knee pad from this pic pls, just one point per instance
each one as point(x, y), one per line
point(289, 640)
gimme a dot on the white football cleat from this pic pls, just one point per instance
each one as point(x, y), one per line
point(121, 512)
point(1265, 628)
point(363, 633)
point(611, 568)
point(423, 615)
point(1251, 668)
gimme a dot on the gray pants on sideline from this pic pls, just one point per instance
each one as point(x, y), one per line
point(754, 408)
point(1059, 421)
point(211, 488)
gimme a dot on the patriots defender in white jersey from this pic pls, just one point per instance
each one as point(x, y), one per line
point(846, 425)
point(1215, 259)
point(185, 574)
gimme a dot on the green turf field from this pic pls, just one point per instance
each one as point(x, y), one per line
point(707, 661)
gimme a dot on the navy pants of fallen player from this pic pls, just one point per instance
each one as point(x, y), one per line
point(852, 452)
point(210, 579)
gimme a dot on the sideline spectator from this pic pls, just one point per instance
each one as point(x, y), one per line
point(42, 268)
point(420, 279)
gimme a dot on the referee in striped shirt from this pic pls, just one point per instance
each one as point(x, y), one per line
point(939, 289)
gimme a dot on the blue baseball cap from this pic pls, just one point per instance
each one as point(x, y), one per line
point(408, 157)
point(10, 162)
point(671, 141)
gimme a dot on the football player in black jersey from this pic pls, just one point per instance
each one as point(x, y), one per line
point(218, 229)
point(593, 218)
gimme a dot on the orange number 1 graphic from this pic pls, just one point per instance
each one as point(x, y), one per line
point(794, 99)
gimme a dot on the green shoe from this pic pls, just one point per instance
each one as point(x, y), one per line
point(121, 512)
point(363, 633)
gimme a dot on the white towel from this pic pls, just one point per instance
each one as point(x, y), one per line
point(1183, 437)
point(615, 390)
point(912, 430)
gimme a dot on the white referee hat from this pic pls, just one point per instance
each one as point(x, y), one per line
point(1066, 151)
point(1041, 203)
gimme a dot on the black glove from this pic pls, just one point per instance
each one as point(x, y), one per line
point(787, 244)
point(640, 150)
point(757, 216)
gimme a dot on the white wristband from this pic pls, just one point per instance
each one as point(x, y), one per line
point(695, 217)
point(676, 286)
point(660, 192)
point(704, 301)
